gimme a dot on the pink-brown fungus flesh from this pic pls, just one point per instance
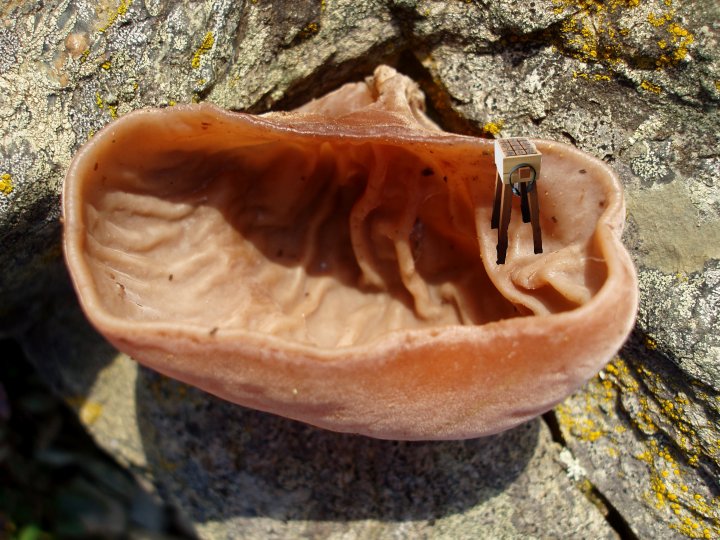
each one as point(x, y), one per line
point(336, 265)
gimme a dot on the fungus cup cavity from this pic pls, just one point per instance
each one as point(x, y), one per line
point(335, 264)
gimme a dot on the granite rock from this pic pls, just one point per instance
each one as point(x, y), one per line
point(239, 473)
point(67, 68)
point(646, 435)
point(634, 83)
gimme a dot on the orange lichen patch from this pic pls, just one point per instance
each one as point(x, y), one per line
point(658, 21)
point(335, 264)
point(598, 77)
point(600, 393)
point(583, 428)
point(589, 33)
point(682, 38)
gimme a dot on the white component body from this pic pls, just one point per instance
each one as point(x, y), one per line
point(509, 153)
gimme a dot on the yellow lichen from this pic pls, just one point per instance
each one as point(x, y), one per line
point(584, 429)
point(88, 411)
point(6, 184)
point(591, 33)
point(668, 492)
point(660, 20)
point(111, 109)
point(119, 12)
point(650, 87)
point(207, 44)
point(689, 513)
point(693, 514)
point(493, 128)
point(682, 38)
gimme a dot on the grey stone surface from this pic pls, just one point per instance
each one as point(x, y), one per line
point(67, 68)
point(238, 473)
point(647, 438)
point(635, 83)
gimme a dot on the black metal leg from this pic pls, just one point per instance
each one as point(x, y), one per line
point(524, 206)
point(535, 218)
point(505, 207)
point(496, 203)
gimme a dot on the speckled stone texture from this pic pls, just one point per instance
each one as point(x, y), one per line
point(239, 473)
point(636, 83)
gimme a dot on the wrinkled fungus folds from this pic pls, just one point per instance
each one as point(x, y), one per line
point(336, 264)
point(280, 237)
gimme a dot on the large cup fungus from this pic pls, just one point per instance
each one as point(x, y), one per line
point(336, 265)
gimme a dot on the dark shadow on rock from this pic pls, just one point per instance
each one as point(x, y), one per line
point(215, 460)
point(64, 348)
point(329, 77)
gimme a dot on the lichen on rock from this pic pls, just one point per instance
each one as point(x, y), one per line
point(516, 70)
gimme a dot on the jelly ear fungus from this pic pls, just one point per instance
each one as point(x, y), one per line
point(336, 264)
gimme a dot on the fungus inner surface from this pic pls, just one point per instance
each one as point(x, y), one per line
point(325, 242)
